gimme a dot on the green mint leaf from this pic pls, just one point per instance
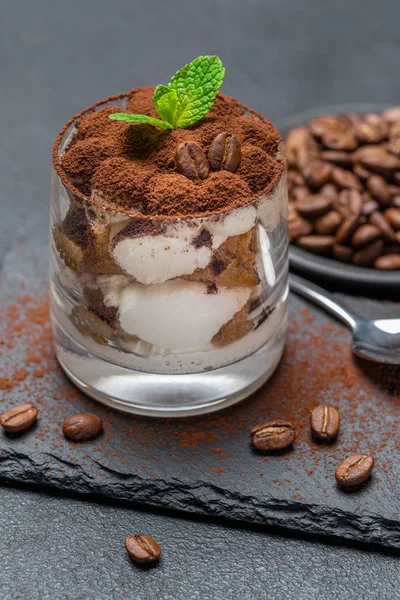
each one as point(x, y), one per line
point(196, 86)
point(131, 118)
point(165, 101)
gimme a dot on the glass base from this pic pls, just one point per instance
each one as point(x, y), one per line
point(159, 395)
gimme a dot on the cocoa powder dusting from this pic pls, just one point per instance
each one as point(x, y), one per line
point(317, 367)
point(132, 166)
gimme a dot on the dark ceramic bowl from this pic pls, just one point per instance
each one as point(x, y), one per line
point(328, 271)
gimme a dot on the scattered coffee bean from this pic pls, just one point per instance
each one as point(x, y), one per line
point(82, 427)
point(191, 161)
point(327, 224)
point(365, 235)
point(354, 470)
point(272, 435)
point(367, 255)
point(142, 548)
point(320, 244)
point(388, 262)
point(19, 418)
point(393, 216)
point(225, 153)
point(325, 422)
point(313, 206)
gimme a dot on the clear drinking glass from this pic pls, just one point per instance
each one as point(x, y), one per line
point(147, 335)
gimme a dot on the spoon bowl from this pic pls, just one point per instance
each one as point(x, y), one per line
point(374, 340)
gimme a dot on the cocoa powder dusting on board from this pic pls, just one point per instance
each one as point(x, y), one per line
point(317, 367)
point(125, 163)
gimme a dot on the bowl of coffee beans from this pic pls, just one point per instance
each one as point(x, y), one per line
point(344, 195)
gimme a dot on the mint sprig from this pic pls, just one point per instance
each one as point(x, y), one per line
point(187, 98)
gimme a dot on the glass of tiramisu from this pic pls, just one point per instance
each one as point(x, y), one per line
point(169, 247)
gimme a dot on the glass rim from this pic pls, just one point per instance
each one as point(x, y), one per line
point(272, 185)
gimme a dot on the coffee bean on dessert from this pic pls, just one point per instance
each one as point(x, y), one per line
point(320, 244)
point(82, 427)
point(369, 207)
point(142, 548)
point(299, 227)
point(354, 470)
point(396, 201)
point(378, 219)
point(342, 253)
point(379, 189)
point(225, 153)
point(365, 235)
point(325, 422)
point(367, 254)
point(328, 224)
point(313, 205)
point(346, 229)
point(345, 179)
point(387, 262)
point(393, 216)
point(19, 418)
point(191, 161)
point(342, 159)
point(272, 435)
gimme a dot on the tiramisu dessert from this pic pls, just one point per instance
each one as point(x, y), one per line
point(169, 228)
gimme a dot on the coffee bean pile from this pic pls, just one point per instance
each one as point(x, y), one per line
point(344, 188)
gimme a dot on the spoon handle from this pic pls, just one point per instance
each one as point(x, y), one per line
point(319, 296)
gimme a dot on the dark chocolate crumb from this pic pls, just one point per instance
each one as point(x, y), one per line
point(203, 239)
point(217, 266)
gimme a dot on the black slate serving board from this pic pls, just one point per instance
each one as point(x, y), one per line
point(206, 465)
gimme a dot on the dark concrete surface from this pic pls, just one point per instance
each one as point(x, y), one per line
point(68, 548)
point(281, 56)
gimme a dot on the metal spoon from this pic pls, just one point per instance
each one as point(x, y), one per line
point(378, 340)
